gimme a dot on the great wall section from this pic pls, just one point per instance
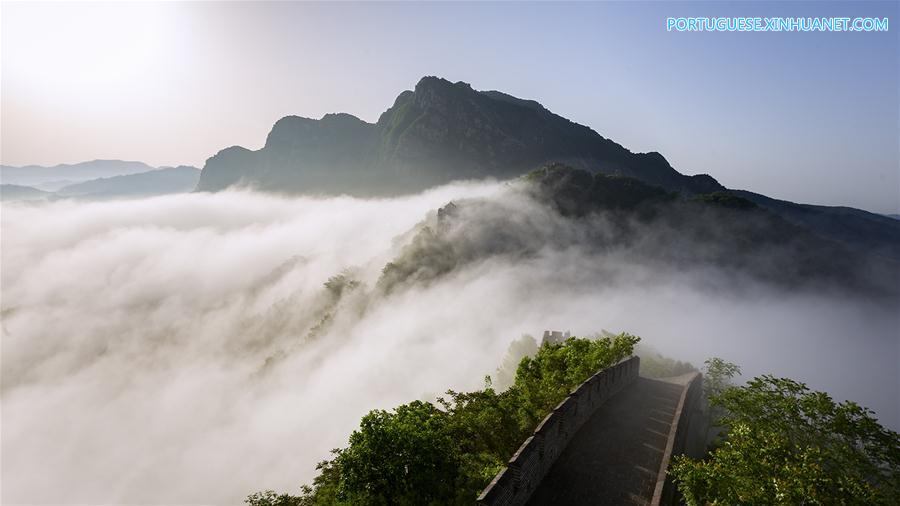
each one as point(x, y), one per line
point(609, 442)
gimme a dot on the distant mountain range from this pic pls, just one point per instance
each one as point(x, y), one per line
point(443, 131)
point(10, 192)
point(58, 176)
point(182, 179)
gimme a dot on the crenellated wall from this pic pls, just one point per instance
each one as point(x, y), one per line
point(514, 484)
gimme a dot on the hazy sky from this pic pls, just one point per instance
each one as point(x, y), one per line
point(810, 117)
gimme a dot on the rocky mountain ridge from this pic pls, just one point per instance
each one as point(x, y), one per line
point(438, 132)
point(443, 131)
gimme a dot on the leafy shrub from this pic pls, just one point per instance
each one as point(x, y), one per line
point(271, 498)
point(404, 457)
point(789, 445)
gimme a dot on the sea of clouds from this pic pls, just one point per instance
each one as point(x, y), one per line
point(158, 351)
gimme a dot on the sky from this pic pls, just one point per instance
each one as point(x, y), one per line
point(808, 117)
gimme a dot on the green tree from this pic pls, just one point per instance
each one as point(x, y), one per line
point(484, 425)
point(718, 375)
point(789, 445)
point(474, 418)
point(272, 498)
point(520, 348)
point(556, 369)
point(402, 457)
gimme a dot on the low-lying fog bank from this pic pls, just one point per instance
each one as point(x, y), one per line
point(184, 349)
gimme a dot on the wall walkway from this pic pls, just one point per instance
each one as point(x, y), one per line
point(609, 442)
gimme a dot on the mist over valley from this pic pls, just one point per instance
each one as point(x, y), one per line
point(183, 338)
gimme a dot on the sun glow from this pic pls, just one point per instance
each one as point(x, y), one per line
point(77, 52)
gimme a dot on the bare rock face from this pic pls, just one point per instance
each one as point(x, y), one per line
point(438, 132)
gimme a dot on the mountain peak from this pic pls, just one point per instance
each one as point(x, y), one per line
point(439, 83)
point(340, 117)
point(438, 132)
point(437, 92)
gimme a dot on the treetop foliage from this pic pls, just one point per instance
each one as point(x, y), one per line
point(578, 191)
point(787, 444)
point(717, 375)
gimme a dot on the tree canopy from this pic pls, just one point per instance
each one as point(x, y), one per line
point(786, 444)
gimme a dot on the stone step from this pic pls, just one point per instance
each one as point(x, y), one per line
point(616, 456)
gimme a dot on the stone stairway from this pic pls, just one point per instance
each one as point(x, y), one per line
point(615, 457)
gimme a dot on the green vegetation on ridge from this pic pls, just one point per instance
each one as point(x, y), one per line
point(785, 444)
point(445, 453)
point(577, 191)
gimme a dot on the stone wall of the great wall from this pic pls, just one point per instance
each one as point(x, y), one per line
point(687, 435)
point(514, 484)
